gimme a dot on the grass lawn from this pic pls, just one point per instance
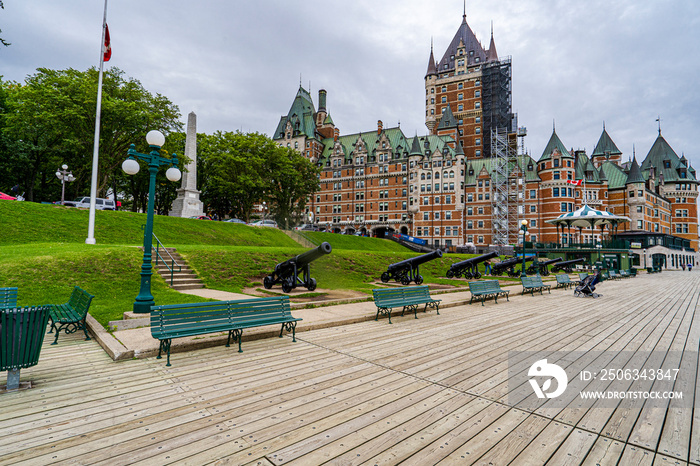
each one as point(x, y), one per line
point(43, 253)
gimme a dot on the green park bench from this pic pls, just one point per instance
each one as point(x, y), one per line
point(22, 333)
point(614, 275)
point(603, 276)
point(192, 319)
point(8, 297)
point(563, 281)
point(70, 317)
point(625, 274)
point(407, 297)
point(485, 289)
point(532, 284)
point(632, 271)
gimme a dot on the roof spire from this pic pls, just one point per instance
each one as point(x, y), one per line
point(465, 10)
point(554, 126)
point(603, 125)
point(659, 121)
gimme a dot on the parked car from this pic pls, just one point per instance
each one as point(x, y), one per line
point(201, 217)
point(100, 203)
point(265, 223)
point(235, 220)
point(306, 227)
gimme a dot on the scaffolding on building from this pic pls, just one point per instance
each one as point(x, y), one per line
point(508, 190)
point(496, 100)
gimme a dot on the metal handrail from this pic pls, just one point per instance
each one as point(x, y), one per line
point(172, 265)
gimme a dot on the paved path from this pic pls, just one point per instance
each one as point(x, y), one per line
point(436, 390)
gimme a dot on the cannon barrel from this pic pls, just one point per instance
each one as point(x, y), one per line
point(564, 264)
point(415, 261)
point(512, 262)
point(474, 260)
point(304, 258)
point(551, 261)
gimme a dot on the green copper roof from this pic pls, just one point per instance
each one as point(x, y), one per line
point(447, 120)
point(371, 140)
point(605, 146)
point(585, 169)
point(300, 115)
point(635, 174)
point(615, 175)
point(328, 120)
point(554, 143)
point(667, 162)
point(519, 163)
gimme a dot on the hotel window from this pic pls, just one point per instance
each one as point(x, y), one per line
point(444, 99)
point(444, 88)
point(470, 224)
point(481, 239)
point(460, 107)
point(477, 93)
point(563, 206)
point(460, 86)
point(533, 223)
point(477, 141)
point(556, 175)
point(425, 216)
point(480, 223)
point(470, 211)
point(533, 208)
point(478, 130)
point(555, 192)
point(460, 96)
point(477, 104)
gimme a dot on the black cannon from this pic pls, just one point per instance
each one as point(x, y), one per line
point(469, 268)
point(508, 266)
point(567, 266)
point(407, 271)
point(287, 272)
point(541, 267)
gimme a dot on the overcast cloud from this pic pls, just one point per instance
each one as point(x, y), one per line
point(238, 64)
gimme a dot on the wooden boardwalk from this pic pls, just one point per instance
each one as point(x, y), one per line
point(418, 392)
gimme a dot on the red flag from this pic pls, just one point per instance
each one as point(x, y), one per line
point(108, 46)
point(576, 183)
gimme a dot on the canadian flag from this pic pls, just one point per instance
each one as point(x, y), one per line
point(575, 183)
point(108, 46)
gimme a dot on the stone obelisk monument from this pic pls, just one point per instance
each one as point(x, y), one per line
point(187, 203)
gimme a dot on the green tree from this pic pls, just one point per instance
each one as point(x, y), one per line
point(231, 164)
point(51, 118)
point(291, 179)
point(238, 171)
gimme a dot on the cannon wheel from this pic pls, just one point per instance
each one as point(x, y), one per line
point(267, 282)
point(468, 275)
point(386, 277)
point(405, 281)
point(312, 285)
point(419, 279)
point(477, 275)
point(287, 286)
point(450, 274)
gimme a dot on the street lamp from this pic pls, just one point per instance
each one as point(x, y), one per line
point(523, 228)
point(155, 139)
point(64, 175)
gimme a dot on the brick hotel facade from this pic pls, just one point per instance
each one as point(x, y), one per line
point(463, 181)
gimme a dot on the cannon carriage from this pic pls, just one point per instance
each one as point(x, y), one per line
point(287, 272)
point(567, 266)
point(508, 266)
point(469, 268)
point(407, 271)
point(542, 268)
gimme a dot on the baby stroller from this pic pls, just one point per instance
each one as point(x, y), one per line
point(587, 286)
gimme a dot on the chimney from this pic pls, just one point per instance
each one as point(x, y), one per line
point(379, 127)
point(336, 134)
point(322, 100)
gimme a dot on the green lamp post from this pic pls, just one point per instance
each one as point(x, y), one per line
point(155, 139)
point(523, 228)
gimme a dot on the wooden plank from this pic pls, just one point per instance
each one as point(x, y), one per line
point(504, 451)
point(636, 456)
point(574, 449)
point(605, 452)
point(544, 445)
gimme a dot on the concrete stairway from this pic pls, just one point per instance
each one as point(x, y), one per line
point(185, 279)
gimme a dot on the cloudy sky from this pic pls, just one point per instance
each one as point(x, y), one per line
point(238, 64)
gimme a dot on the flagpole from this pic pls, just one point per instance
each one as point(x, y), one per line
point(96, 146)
